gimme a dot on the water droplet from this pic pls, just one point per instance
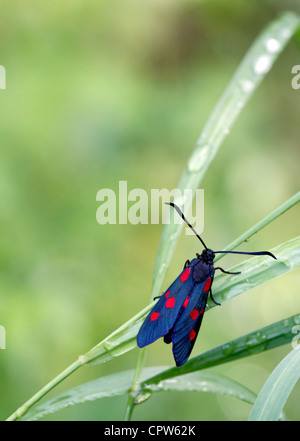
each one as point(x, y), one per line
point(272, 45)
point(162, 268)
point(108, 345)
point(173, 236)
point(255, 343)
point(262, 65)
point(286, 33)
point(247, 86)
point(297, 319)
point(227, 349)
point(20, 411)
point(81, 359)
point(142, 397)
point(198, 159)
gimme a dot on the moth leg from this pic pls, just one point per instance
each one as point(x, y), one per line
point(219, 304)
point(226, 272)
point(158, 297)
point(187, 263)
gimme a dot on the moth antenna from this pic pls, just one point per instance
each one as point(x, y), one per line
point(186, 221)
point(257, 253)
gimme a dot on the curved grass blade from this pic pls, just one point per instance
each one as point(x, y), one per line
point(276, 390)
point(203, 382)
point(124, 338)
point(254, 272)
point(257, 270)
point(262, 223)
point(119, 384)
point(253, 68)
point(108, 386)
point(117, 343)
point(268, 337)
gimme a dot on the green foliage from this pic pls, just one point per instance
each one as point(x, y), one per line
point(272, 397)
point(185, 378)
point(118, 384)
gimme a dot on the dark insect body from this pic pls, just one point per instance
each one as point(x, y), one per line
point(178, 314)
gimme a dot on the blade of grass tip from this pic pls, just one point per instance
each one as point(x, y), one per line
point(276, 390)
point(253, 68)
point(256, 271)
point(262, 223)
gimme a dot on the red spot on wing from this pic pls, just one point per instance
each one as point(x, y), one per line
point(167, 294)
point(154, 316)
point(194, 314)
point(170, 302)
point(192, 334)
point(202, 311)
point(186, 302)
point(207, 285)
point(185, 275)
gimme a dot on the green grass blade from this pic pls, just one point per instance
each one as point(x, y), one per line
point(276, 390)
point(253, 68)
point(119, 384)
point(119, 342)
point(256, 270)
point(268, 337)
point(250, 73)
point(203, 382)
point(108, 386)
point(262, 223)
point(265, 221)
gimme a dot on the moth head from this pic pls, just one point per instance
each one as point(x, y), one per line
point(206, 256)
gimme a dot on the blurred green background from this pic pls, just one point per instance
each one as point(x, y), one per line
point(99, 92)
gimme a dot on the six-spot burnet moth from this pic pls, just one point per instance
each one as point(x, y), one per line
point(178, 314)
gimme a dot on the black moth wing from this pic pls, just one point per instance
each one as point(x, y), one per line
point(166, 311)
point(186, 328)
